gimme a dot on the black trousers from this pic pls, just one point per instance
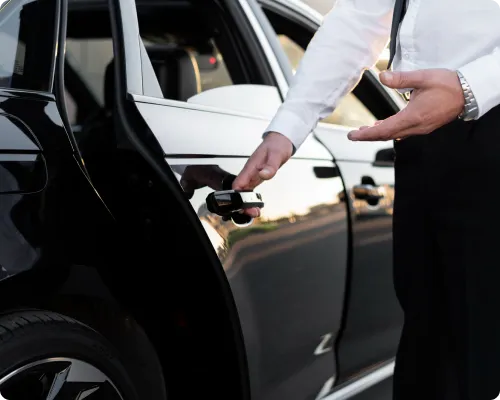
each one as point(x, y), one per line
point(447, 262)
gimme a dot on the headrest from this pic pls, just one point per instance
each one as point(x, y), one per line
point(177, 71)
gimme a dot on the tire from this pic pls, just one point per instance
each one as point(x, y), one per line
point(45, 355)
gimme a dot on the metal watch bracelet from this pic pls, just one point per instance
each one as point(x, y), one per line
point(471, 109)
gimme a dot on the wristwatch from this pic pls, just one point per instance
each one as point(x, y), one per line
point(470, 111)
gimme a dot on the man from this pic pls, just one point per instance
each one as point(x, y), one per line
point(447, 144)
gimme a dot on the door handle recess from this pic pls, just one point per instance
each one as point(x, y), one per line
point(369, 193)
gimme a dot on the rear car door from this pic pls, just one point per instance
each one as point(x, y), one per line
point(373, 319)
point(36, 156)
point(286, 269)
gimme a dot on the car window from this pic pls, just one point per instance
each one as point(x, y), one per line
point(213, 70)
point(89, 58)
point(350, 111)
point(191, 48)
point(27, 42)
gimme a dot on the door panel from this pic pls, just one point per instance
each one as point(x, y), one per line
point(212, 132)
point(33, 184)
point(287, 268)
point(373, 315)
point(22, 166)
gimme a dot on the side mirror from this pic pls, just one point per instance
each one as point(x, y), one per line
point(249, 99)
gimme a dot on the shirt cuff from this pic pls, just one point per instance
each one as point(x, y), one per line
point(289, 125)
point(483, 77)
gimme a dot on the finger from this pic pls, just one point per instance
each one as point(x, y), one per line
point(391, 128)
point(249, 177)
point(368, 126)
point(270, 167)
point(403, 134)
point(404, 80)
point(252, 212)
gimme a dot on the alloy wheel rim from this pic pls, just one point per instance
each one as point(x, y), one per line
point(58, 378)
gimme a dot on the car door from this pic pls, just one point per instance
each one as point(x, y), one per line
point(373, 318)
point(286, 269)
point(36, 155)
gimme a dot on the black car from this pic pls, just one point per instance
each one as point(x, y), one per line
point(118, 120)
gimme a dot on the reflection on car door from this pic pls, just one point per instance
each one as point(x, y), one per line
point(287, 268)
point(373, 318)
point(36, 157)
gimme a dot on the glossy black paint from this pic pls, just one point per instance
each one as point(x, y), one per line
point(90, 242)
point(22, 166)
point(22, 173)
point(29, 177)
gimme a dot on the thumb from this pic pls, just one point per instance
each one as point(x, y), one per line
point(249, 176)
point(403, 80)
point(271, 166)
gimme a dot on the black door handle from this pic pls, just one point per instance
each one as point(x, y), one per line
point(228, 202)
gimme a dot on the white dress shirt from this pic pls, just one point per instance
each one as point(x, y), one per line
point(460, 35)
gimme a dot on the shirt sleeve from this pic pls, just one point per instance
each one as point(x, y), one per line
point(483, 77)
point(351, 38)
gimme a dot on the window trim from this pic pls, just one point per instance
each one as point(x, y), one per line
point(56, 44)
point(191, 106)
point(262, 36)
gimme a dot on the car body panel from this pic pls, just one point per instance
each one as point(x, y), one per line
point(373, 318)
point(37, 170)
point(287, 268)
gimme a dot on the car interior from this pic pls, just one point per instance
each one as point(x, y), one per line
point(189, 52)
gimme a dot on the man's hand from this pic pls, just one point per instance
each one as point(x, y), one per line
point(436, 100)
point(272, 153)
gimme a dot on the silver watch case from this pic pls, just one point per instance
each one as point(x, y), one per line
point(471, 109)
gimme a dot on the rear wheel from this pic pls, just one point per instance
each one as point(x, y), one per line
point(44, 355)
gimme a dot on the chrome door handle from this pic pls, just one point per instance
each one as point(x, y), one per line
point(367, 192)
point(228, 202)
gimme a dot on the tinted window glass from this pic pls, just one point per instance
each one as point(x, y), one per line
point(90, 58)
point(27, 44)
